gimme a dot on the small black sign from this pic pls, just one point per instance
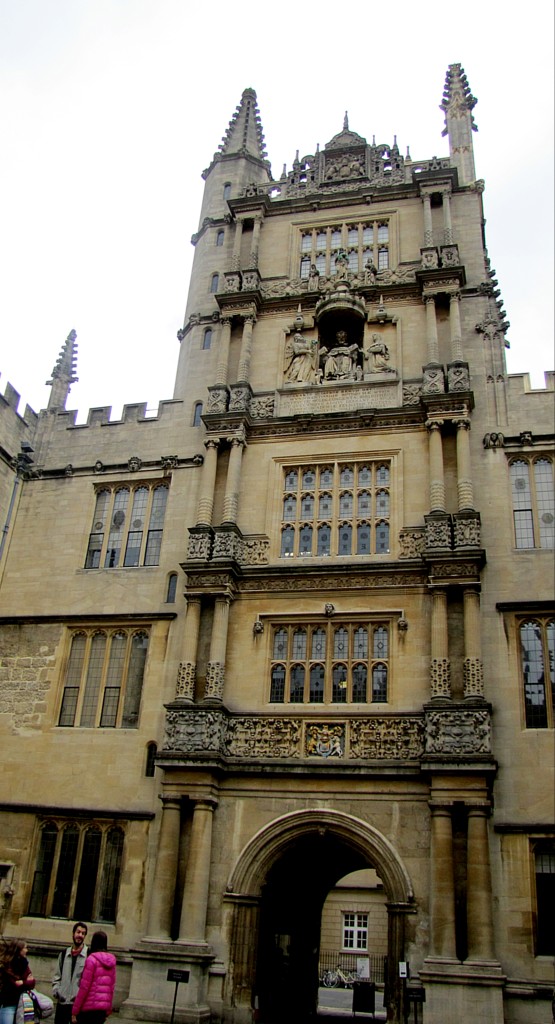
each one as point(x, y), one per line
point(417, 995)
point(174, 975)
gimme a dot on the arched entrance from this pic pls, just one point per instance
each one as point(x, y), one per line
point(278, 888)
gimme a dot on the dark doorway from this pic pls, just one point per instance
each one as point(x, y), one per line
point(291, 910)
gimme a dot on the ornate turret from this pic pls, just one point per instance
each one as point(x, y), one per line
point(244, 135)
point(458, 104)
point(63, 374)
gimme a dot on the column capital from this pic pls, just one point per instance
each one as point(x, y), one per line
point(212, 442)
point(207, 803)
point(168, 799)
point(454, 297)
point(248, 318)
point(462, 423)
point(435, 424)
point(225, 321)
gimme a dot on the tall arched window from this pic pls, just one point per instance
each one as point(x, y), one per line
point(227, 190)
point(151, 751)
point(172, 588)
point(220, 238)
point(214, 283)
point(197, 414)
point(207, 338)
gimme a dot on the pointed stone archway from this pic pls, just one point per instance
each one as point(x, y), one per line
point(279, 883)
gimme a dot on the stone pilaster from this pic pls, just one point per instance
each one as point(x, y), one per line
point(447, 225)
point(236, 254)
point(473, 674)
point(455, 327)
point(428, 230)
point(231, 498)
point(431, 329)
point(192, 927)
point(465, 489)
point(223, 352)
point(205, 505)
point(442, 886)
point(479, 893)
point(440, 671)
point(186, 675)
point(218, 645)
point(163, 890)
point(255, 241)
point(243, 372)
point(435, 450)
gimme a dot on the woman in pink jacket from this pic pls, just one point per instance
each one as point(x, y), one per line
point(94, 999)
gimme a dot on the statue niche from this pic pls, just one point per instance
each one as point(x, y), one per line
point(308, 361)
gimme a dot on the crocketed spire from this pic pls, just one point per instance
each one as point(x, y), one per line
point(244, 134)
point(63, 374)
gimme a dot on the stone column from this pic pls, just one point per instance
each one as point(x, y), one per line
point(440, 670)
point(431, 329)
point(246, 350)
point(192, 927)
point(465, 490)
point(186, 675)
point(231, 499)
point(255, 241)
point(478, 887)
point(205, 505)
point(455, 327)
point(442, 886)
point(223, 352)
point(165, 876)
point(447, 226)
point(218, 645)
point(236, 254)
point(435, 452)
point(473, 673)
point(428, 231)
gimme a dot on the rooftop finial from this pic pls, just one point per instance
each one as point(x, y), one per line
point(346, 122)
point(63, 374)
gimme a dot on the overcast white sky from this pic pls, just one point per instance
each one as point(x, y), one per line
point(111, 109)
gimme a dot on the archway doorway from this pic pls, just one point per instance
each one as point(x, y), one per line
point(288, 869)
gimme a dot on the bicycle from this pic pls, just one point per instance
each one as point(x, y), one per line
point(331, 979)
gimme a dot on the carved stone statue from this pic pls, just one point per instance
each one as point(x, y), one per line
point(340, 362)
point(377, 355)
point(341, 265)
point(313, 278)
point(300, 360)
point(370, 272)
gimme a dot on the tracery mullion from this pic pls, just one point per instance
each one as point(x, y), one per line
point(54, 870)
point(98, 888)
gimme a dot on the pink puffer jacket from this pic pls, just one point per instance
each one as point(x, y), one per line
point(98, 981)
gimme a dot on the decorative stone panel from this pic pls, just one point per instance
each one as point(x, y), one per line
point(434, 380)
point(267, 737)
point(390, 738)
point(438, 533)
point(412, 543)
point(458, 732)
point(466, 530)
point(473, 677)
point(194, 731)
point(458, 377)
point(334, 397)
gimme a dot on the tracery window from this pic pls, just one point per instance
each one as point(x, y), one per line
point(537, 656)
point(77, 871)
point(330, 663)
point(533, 502)
point(366, 242)
point(127, 526)
point(336, 509)
point(104, 678)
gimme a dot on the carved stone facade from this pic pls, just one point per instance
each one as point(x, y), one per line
point(287, 652)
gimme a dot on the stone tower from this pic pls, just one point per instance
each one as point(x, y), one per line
point(284, 623)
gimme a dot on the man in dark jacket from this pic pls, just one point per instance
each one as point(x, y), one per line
point(69, 968)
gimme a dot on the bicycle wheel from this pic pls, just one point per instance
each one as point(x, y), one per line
point(330, 979)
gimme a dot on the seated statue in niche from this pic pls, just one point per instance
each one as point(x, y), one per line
point(313, 278)
point(377, 355)
point(340, 361)
point(301, 362)
point(371, 272)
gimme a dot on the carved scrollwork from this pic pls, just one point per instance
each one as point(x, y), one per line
point(262, 408)
point(268, 737)
point(412, 543)
point(194, 731)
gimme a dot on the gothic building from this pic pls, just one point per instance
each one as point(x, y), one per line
point(300, 623)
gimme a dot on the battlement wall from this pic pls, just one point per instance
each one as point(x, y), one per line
point(531, 408)
point(15, 428)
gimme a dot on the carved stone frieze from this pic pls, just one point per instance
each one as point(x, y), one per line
point(215, 677)
point(429, 258)
point(255, 551)
point(458, 732)
point(186, 676)
point(473, 677)
point(334, 396)
point(227, 544)
point(412, 543)
point(194, 731)
point(440, 677)
point(449, 255)
point(251, 280)
point(232, 281)
point(386, 738)
point(266, 737)
point(322, 582)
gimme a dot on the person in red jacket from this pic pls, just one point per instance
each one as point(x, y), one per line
point(93, 1002)
point(15, 978)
